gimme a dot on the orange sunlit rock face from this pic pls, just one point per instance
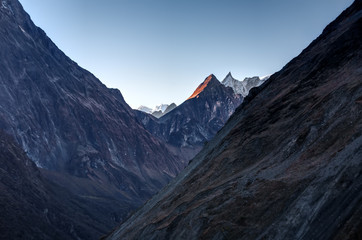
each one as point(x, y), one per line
point(201, 87)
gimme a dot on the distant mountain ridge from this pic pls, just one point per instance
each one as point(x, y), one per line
point(159, 110)
point(188, 126)
point(145, 109)
point(243, 87)
point(239, 87)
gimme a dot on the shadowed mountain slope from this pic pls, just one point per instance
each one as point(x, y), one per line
point(71, 125)
point(287, 165)
point(33, 208)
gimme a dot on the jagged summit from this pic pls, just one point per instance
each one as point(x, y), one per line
point(210, 81)
point(228, 79)
point(229, 75)
point(243, 87)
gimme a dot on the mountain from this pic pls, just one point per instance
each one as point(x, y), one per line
point(243, 87)
point(169, 108)
point(197, 120)
point(287, 164)
point(188, 126)
point(163, 109)
point(145, 109)
point(159, 110)
point(80, 134)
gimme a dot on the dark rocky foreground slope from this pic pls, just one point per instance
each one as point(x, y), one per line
point(188, 126)
point(80, 133)
point(33, 208)
point(288, 163)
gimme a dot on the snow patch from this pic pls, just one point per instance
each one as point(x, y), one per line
point(22, 29)
point(264, 78)
point(25, 33)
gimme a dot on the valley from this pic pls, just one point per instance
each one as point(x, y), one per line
point(274, 157)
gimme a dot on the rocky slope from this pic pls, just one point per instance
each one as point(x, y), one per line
point(287, 165)
point(188, 126)
point(71, 125)
point(33, 208)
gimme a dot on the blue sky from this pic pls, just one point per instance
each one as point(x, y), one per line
point(159, 51)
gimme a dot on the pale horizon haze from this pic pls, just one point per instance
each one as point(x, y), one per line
point(159, 51)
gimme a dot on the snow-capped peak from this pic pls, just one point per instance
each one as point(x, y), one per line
point(157, 109)
point(161, 107)
point(229, 80)
point(145, 109)
point(243, 87)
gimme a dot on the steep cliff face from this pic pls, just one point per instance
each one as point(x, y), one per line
point(287, 165)
point(188, 126)
point(69, 123)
